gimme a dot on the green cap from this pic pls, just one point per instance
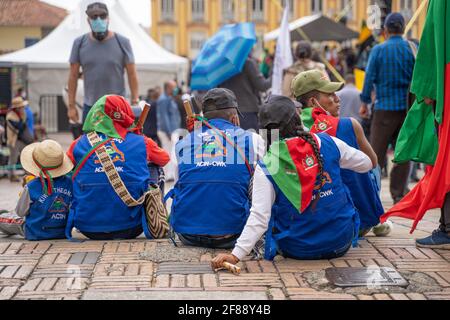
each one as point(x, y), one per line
point(313, 80)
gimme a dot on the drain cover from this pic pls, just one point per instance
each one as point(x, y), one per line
point(361, 277)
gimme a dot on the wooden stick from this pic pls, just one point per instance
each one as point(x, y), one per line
point(234, 269)
point(187, 105)
point(415, 16)
point(144, 114)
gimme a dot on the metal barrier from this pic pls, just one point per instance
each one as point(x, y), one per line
point(53, 113)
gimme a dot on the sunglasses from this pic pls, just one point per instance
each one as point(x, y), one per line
point(102, 16)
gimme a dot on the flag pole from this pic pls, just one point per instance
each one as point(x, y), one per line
point(415, 16)
point(344, 11)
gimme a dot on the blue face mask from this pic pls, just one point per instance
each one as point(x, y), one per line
point(99, 25)
point(176, 91)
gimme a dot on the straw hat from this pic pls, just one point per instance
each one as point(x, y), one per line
point(49, 154)
point(18, 102)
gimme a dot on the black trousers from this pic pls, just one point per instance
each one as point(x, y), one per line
point(385, 128)
point(128, 234)
point(445, 215)
point(249, 121)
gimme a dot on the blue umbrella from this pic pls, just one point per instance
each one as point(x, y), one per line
point(223, 56)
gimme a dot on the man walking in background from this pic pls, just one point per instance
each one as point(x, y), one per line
point(169, 120)
point(247, 87)
point(389, 71)
point(350, 99)
point(151, 123)
point(304, 62)
point(104, 56)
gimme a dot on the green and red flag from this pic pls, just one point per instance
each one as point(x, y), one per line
point(293, 167)
point(111, 115)
point(431, 80)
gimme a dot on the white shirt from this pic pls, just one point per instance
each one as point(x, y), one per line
point(264, 197)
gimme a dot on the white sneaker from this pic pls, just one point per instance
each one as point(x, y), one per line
point(383, 229)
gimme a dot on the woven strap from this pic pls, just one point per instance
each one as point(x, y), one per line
point(112, 174)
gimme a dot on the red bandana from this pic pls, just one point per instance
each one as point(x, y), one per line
point(324, 122)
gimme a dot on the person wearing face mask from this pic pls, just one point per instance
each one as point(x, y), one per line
point(104, 56)
point(318, 94)
point(215, 164)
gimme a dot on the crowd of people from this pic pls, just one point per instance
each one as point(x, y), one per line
point(307, 189)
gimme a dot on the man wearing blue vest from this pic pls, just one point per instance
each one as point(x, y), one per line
point(215, 164)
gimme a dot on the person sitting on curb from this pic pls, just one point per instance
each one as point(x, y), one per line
point(298, 195)
point(43, 207)
point(97, 211)
point(215, 164)
point(319, 94)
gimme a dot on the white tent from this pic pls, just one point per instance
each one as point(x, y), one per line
point(48, 60)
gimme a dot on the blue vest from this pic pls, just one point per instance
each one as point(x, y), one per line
point(211, 195)
point(363, 186)
point(96, 206)
point(327, 225)
point(47, 218)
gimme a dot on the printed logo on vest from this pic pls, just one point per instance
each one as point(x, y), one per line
point(211, 147)
point(58, 206)
point(114, 152)
point(324, 193)
point(327, 180)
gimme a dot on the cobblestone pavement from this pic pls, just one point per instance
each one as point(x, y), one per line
point(141, 269)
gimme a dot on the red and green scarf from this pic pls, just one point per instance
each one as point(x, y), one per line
point(324, 122)
point(111, 115)
point(294, 168)
point(45, 177)
point(307, 118)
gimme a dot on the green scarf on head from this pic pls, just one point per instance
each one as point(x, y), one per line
point(110, 115)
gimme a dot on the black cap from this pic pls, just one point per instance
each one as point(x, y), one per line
point(277, 111)
point(395, 20)
point(219, 99)
point(97, 8)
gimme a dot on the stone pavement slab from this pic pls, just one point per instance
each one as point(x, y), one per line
point(155, 270)
point(175, 295)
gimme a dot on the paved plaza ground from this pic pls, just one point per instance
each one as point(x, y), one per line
point(142, 269)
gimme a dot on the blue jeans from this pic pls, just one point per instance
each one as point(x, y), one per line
point(324, 256)
point(208, 242)
point(86, 110)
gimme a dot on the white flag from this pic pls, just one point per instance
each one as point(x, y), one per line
point(283, 53)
